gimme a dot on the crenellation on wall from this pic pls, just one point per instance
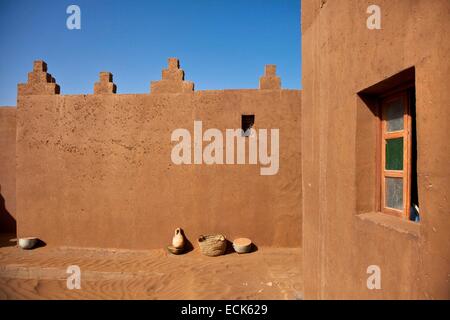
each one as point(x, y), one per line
point(270, 80)
point(172, 80)
point(39, 82)
point(173, 72)
point(106, 84)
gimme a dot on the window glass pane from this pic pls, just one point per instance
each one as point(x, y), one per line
point(394, 193)
point(394, 115)
point(394, 154)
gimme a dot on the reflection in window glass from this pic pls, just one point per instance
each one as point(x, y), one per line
point(394, 154)
point(394, 116)
point(394, 193)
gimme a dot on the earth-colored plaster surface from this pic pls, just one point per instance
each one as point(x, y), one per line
point(7, 169)
point(342, 236)
point(96, 170)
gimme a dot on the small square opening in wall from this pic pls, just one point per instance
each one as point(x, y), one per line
point(247, 123)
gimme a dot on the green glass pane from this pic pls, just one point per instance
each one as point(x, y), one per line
point(394, 154)
point(394, 116)
point(394, 193)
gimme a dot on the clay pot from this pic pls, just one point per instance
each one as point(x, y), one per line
point(174, 250)
point(178, 239)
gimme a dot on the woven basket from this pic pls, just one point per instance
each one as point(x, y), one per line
point(212, 245)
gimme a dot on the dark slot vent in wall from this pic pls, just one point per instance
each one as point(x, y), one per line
point(247, 123)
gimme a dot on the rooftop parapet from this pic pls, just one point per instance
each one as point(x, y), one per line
point(106, 84)
point(270, 80)
point(39, 82)
point(172, 80)
point(42, 83)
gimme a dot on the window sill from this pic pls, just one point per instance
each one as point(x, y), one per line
point(392, 223)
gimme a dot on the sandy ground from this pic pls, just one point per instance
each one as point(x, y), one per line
point(268, 273)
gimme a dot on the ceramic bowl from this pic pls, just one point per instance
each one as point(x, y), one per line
point(27, 243)
point(242, 245)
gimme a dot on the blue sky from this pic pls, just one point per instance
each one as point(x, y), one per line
point(221, 44)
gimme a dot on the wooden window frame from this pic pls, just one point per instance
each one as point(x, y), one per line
point(405, 174)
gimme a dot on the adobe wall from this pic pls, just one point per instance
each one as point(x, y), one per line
point(341, 236)
point(7, 169)
point(96, 171)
